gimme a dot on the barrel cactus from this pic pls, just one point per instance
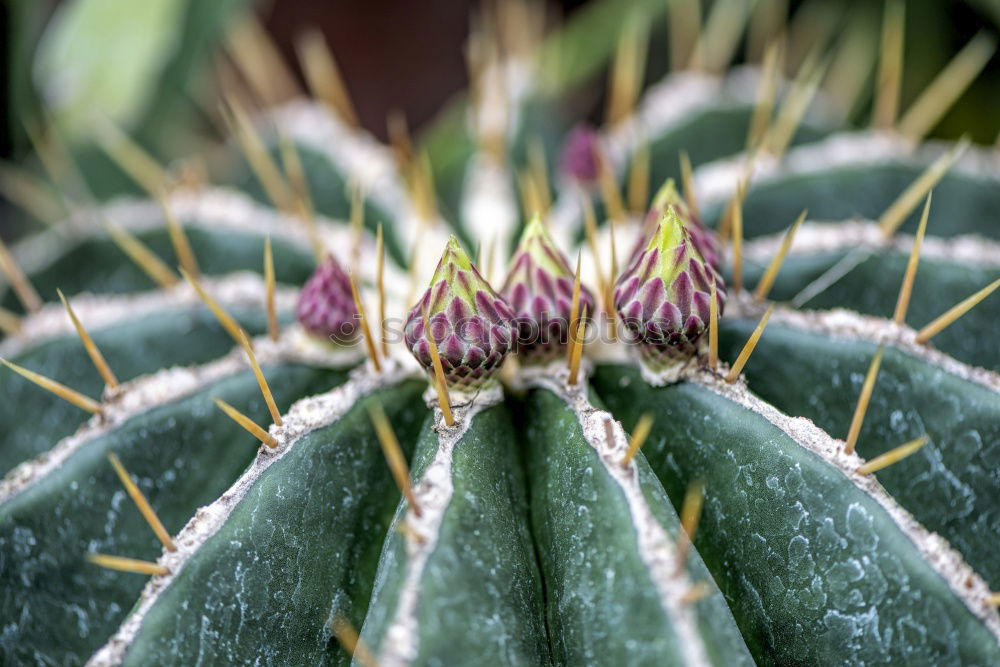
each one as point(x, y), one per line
point(510, 408)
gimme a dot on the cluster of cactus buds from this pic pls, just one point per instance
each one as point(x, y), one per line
point(662, 299)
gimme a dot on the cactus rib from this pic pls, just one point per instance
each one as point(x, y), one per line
point(694, 642)
point(813, 463)
point(307, 416)
point(414, 616)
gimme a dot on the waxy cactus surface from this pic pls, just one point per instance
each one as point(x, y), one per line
point(414, 405)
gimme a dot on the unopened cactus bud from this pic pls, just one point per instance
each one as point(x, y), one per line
point(663, 297)
point(702, 237)
point(579, 159)
point(539, 288)
point(326, 308)
point(471, 324)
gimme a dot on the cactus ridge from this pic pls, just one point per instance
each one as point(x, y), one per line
point(473, 478)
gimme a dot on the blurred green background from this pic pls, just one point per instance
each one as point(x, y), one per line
point(157, 67)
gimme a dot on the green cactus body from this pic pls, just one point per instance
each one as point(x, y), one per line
point(468, 494)
point(948, 485)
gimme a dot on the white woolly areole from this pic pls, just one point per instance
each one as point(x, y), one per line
point(433, 494)
point(654, 545)
point(205, 208)
point(165, 386)
point(963, 581)
point(97, 311)
point(304, 417)
point(819, 237)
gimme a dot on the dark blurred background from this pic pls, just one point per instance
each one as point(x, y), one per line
point(408, 55)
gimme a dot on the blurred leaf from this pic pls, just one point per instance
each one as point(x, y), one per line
point(105, 56)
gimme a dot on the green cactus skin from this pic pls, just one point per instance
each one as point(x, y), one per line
point(324, 505)
point(63, 607)
point(533, 546)
point(824, 569)
point(329, 192)
point(949, 486)
point(605, 609)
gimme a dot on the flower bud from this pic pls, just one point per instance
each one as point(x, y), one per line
point(539, 289)
point(326, 307)
point(663, 296)
point(470, 323)
point(579, 159)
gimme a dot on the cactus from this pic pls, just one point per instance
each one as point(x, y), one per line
point(786, 473)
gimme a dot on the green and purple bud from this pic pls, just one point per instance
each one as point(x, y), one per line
point(471, 324)
point(539, 289)
point(663, 297)
point(326, 307)
point(702, 237)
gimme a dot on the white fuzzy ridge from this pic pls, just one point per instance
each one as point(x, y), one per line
point(716, 182)
point(655, 547)
point(305, 416)
point(168, 385)
point(433, 494)
point(680, 96)
point(849, 325)
point(214, 208)
point(98, 311)
point(357, 155)
point(819, 237)
point(949, 564)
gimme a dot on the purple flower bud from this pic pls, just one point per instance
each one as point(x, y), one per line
point(663, 297)
point(471, 324)
point(579, 159)
point(326, 307)
point(539, 289)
